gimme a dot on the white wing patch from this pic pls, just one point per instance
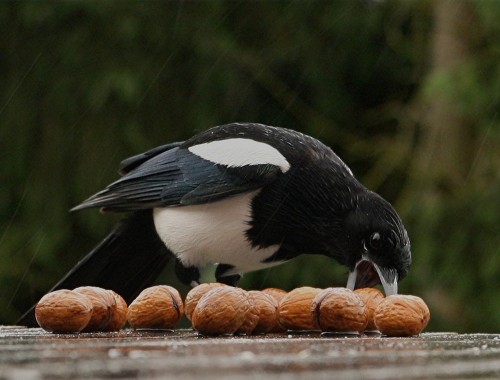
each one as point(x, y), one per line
point(240, 152)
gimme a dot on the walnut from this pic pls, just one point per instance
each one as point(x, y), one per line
point(295, 309)
point(278, 295)
point(63, 311)
point(371, 298)
point(221, 311)
point(402, 315)
point(195, 294)
point(118, 314)
point(157, 307)
point(252, 317)
point(267, 310)
point(103, 304)
point(339, 310)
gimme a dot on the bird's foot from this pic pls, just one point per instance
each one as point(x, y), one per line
point(187, 275)
point(220, 276)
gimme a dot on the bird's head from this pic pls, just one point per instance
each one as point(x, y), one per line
point(376, 245)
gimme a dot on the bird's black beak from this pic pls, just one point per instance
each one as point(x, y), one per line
point(366, 273)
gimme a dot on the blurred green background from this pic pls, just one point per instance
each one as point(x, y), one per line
point(406, 92)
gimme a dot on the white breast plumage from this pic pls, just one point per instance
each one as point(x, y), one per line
point(213, 233)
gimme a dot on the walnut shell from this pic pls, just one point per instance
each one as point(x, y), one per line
point(267, 309)
point(295, 309)
point(220, 311)
point(118, 313)
point(339, 310)
point(103, 303)
point(371, 297)
point(63, 311)
point(195, 294)
point(251, 318)
point(278, 295)
point(157, 307)
point(402, 315)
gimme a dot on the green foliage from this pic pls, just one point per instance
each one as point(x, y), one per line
point(88, 83)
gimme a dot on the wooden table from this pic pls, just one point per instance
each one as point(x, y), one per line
point(182, 354)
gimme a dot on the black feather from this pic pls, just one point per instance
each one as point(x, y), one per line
point(128, 164)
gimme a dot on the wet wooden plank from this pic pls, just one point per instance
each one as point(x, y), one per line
point(182, 354)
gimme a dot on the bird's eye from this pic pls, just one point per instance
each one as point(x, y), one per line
point(376, 241)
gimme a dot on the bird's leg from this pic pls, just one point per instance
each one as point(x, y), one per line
point(187, 275)
point(231, 280)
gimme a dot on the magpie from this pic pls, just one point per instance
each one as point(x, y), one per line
point(244, 196)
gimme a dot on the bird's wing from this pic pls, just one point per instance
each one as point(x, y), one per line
point(129, 164)
point(175, 175)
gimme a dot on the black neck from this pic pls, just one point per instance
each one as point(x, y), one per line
point(303, 211)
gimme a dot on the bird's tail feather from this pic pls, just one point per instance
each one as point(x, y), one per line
point(128, 260)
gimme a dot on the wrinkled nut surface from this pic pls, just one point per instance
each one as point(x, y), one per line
point(251, 318)
point(63, 311)
point(118, 314)
point(295, 309)
point(402, 315)
point(220, 311)
point(103, 303)
point(267, 310)
point(371, 297)
point(196, 293)
point(339, 310)
point(157, 307)
point(276, 293)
